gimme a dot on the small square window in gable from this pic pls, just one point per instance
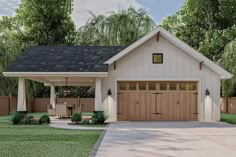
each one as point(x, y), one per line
point(157, 58)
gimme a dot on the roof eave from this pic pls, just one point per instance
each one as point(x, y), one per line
point(72, 74)
point(226, 77)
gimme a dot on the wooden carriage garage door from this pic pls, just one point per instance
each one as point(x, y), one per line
point(157, 101)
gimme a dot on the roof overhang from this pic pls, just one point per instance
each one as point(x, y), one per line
point(60, 78)
point(180, 44)
point(59, 74)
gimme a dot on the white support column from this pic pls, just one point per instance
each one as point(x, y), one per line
point(52, 96)
point(21, 101)
point(98, 94)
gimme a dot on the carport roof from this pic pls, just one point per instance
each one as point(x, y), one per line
point(64, 59)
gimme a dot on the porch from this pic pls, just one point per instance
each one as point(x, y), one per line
point(59, 79)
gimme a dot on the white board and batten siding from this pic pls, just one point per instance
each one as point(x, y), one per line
point(177, 66)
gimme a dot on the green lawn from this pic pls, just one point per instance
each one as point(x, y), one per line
point(43, 141)
point(229, 118)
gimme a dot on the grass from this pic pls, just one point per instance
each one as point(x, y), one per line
point(43, 141)
point(229, 118)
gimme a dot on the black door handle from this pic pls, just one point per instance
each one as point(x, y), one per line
point(157, 93)
point(156, 113)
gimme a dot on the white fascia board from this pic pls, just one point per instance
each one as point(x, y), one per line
point(75, 74)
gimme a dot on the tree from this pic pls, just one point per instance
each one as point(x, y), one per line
point(121, 28)
point(215, 41)
point(46, 22)
point(228, 11)
point(10, 47)
point(198, 23)
point(37, 22)
point(229, 62)
point(208, 26)
point(10, 44)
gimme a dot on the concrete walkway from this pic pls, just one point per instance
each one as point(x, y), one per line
point(168, 139)
point(63, 124)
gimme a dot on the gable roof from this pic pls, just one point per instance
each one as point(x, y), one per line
point(180, 44)
point(64, 59)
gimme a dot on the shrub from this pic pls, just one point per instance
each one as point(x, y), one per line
point(85, 122)
point(99, 117)
point(44, 119)
point(28, 120)
point(94, 121)
point(22, 121)
point(76, 117)
point(17, 118)
point(35, 121)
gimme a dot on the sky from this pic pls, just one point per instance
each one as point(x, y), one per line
point(158, 9)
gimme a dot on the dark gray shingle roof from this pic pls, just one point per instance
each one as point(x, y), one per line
point(64, 59)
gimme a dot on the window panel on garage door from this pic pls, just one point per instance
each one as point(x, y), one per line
point(163, 86)
point(132, 86)
point(152, 86)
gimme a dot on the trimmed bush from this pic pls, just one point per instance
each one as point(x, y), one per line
point(76, 117)
point(35, 121)
point(94, 121)
point(99, 117)
point(28, 120)
point(17, 118)
point(44, 119)
point(85, 122)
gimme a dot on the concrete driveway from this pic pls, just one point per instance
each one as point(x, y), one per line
point(168, 139)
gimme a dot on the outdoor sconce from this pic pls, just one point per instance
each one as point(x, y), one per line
point(109, 92)
point(207, 92)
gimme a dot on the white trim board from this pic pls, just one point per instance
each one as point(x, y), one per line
point(73, 74)
point(180, 44)
point(159, 79)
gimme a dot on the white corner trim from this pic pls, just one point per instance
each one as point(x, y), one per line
point(75, 74)
point(177, 42)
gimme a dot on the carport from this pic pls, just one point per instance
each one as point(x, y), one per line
point(61, 66)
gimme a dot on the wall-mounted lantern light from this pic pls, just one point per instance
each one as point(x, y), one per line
point(109, 92)
point(207, 92)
